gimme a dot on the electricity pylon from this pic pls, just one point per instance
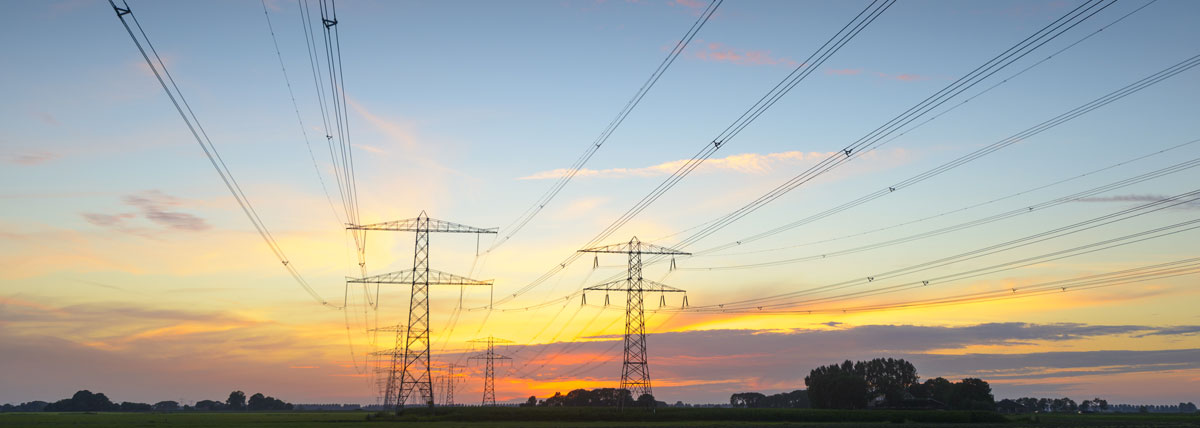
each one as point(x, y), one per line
point(489, 373)
point(415, 374)
point(635, 372)
point(451, 379)
point(391, 362)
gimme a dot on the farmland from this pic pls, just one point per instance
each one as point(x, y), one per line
point(599, 417)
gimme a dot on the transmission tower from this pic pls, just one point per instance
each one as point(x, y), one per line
point(489, 373)
point(635, 372)
point(451, 379)
point(415, 377)
point(390, 362)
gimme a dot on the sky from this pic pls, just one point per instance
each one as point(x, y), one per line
point(127, 268)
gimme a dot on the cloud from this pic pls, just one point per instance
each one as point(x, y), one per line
point(107, 220)
point(46, 118)
point(154, 206)
point(746, 163)
point(1138, 198)
point(719, 52)
point(33, 158)
point(905, 77)
point(844, 71)
point(780, 359)
point(1173, 331)
point(693, 4)
point(397, 132)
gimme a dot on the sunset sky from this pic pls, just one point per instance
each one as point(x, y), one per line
point(127, 268)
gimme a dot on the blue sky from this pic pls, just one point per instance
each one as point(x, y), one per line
point(458, 108)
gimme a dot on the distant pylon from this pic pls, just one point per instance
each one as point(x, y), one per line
point(415, 374)
point(489, 373)
point(391, 362)
point(635, 372)
point(451, 379)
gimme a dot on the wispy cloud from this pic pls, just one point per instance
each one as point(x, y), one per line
point(32, 158)
point(155, 206)
point(902, 77)
point(1138, 198)
point(844, 71)
point(719, 52)
point(745, 163)
point(400, 133)
point(693, 4)
point(46, 118)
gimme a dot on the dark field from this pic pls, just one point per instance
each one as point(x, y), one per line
point(599, 417)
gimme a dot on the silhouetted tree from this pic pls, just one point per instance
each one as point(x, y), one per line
point(209, 405)
point(1009, 406)
point(558, 400)
point(258, 401)
point(32, 406)
point(236, 400)
point(166, 406)
point(601, 397)
point(83, 401)
point(974, 394)
point(888, 378)
point(794, 399)
point(531, 402)
point(127, 406)
point(645, 400)
point(837, 387)
point(746, 399)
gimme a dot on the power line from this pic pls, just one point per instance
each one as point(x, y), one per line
point(616, 122)
point(875, 138)
point(1109, 279)
point(1043, 236)
point(814, 61)
point(210, 150)
point(954, 211)
point(973, 223)
point(299, 119)
point(1085, 108)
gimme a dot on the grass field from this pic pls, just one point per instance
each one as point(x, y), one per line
point(599, 417)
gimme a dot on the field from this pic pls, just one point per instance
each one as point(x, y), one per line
point(600, 417)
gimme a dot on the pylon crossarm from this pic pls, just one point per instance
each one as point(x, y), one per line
point(415, 224)
point(436, 277)
point(623, 285)
point(634, 246)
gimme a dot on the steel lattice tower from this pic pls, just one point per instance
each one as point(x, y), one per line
point(635, 372)
point(392, 363)
point(415, 376)
point(450, 380)
point(489, 376)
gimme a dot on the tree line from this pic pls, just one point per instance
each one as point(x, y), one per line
point(87, 401)
point(600, 397)
point(879, 383)
point(1067, 405)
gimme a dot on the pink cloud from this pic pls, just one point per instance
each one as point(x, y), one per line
point(844, 71)
point(905, 77)
point(718, 52)
point(34, 158)
point(694, 4)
